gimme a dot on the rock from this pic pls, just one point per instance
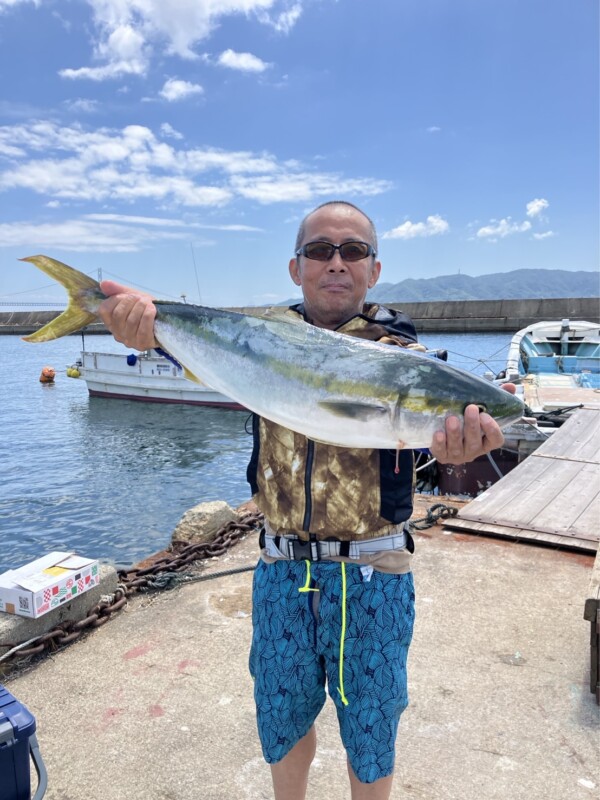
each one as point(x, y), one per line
point(201, 523)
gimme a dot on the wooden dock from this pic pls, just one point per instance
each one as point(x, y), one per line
point(552, 497)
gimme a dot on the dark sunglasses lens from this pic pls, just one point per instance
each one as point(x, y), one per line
point(319, 251)
point(354, 251)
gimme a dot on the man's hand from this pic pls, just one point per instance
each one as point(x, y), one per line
point(479, 435)
point(128, 315)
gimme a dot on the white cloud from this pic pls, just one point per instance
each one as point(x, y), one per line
point(535, 207)
point(544, 235)
point(303, 186)
point(112, 233)
point(163, 222)
point(284, 21)
point(502, 228)
point(125, 51)
point(433, 129)
point(433, 226)
point(123, 166)
point(82, 104)
point(245, 62)
point(128, 33)
point(169, 131)
point(79, 235)
point(175, 89)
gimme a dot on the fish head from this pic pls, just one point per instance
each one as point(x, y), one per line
point(501, 404)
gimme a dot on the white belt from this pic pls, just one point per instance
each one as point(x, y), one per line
point(294, 548)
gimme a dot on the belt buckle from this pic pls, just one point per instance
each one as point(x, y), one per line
point(301, 550)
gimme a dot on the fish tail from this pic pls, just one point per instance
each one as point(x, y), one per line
point(84, 298)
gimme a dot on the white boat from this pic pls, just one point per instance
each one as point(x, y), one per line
point(146, 377)
point(556, 365)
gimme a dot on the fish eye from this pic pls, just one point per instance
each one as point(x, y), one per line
point(481, 406)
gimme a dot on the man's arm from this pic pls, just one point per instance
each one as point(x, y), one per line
point(480, 434)
point(128, 315)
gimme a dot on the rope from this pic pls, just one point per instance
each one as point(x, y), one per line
point(170, 580)
point(435, 512)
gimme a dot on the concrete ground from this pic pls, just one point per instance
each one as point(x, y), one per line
point(157, 704)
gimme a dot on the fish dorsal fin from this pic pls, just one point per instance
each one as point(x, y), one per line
point(354, 409)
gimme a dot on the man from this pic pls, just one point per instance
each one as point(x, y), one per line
point(333, 601)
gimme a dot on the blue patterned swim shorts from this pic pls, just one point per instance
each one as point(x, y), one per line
point(357, 642)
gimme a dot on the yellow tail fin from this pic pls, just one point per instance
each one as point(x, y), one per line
point(84, 298)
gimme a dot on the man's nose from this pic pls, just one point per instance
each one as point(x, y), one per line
point(336, 263)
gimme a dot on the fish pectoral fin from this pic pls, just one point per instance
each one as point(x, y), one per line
point(354, 409)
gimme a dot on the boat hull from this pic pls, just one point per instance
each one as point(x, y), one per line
point(146, 378)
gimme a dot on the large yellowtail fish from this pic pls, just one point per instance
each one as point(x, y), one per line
point(328, 386)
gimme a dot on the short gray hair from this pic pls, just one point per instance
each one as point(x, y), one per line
point(301, 229)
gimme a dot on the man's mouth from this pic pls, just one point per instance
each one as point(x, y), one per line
point(336, 287)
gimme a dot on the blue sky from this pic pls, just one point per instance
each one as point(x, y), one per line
point(176, 146)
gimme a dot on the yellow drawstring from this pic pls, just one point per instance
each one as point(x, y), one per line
point(343, 636)
point(306, 587)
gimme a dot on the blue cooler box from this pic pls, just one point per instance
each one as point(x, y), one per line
point(17, 742)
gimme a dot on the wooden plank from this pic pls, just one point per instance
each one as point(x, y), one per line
point(589, 520)
point(578, 439)
point(522, 534)
point(554, 495)
point(509, 489)
point(537, 486)
point(566, 510)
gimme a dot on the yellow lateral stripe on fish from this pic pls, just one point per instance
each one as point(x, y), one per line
point(328, 386)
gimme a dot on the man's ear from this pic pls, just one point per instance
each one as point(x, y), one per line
point(374, 277)
point(295, 271)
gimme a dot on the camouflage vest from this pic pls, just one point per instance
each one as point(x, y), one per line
point(305, 487)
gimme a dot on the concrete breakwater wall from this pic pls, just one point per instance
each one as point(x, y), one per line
point(478, 316)
point(450, 316)
point(22, 323)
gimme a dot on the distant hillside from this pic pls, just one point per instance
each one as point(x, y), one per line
point(519, 284)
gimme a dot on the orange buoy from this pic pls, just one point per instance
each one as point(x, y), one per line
point(48, 375)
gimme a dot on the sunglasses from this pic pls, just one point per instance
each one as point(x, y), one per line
point(324, 251)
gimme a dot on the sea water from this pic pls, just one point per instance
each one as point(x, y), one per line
point(110, 479)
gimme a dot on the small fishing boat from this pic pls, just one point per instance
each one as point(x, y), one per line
point(556, 368)
point(147, 377)
point(556, 365)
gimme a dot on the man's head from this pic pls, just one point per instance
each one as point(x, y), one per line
point(334, 290)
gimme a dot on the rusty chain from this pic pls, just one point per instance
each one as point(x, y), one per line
point(141, 579)
point(135, 580)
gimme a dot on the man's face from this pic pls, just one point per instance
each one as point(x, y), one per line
point(335, 290)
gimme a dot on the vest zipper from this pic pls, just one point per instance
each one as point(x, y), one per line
point(310, 454)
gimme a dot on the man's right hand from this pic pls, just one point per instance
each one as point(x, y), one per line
point(128, 315)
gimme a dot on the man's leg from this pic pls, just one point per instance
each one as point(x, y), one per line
point(290, 775)
point(379, 790)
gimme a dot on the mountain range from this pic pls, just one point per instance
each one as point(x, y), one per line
point(519, 284)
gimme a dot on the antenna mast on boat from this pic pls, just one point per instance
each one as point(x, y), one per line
point(196, 273)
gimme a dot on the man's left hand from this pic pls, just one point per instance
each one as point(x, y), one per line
point(479, 434)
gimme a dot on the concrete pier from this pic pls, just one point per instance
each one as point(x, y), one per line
point(157, 704)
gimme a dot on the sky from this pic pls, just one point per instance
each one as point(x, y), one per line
point(176, 146)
